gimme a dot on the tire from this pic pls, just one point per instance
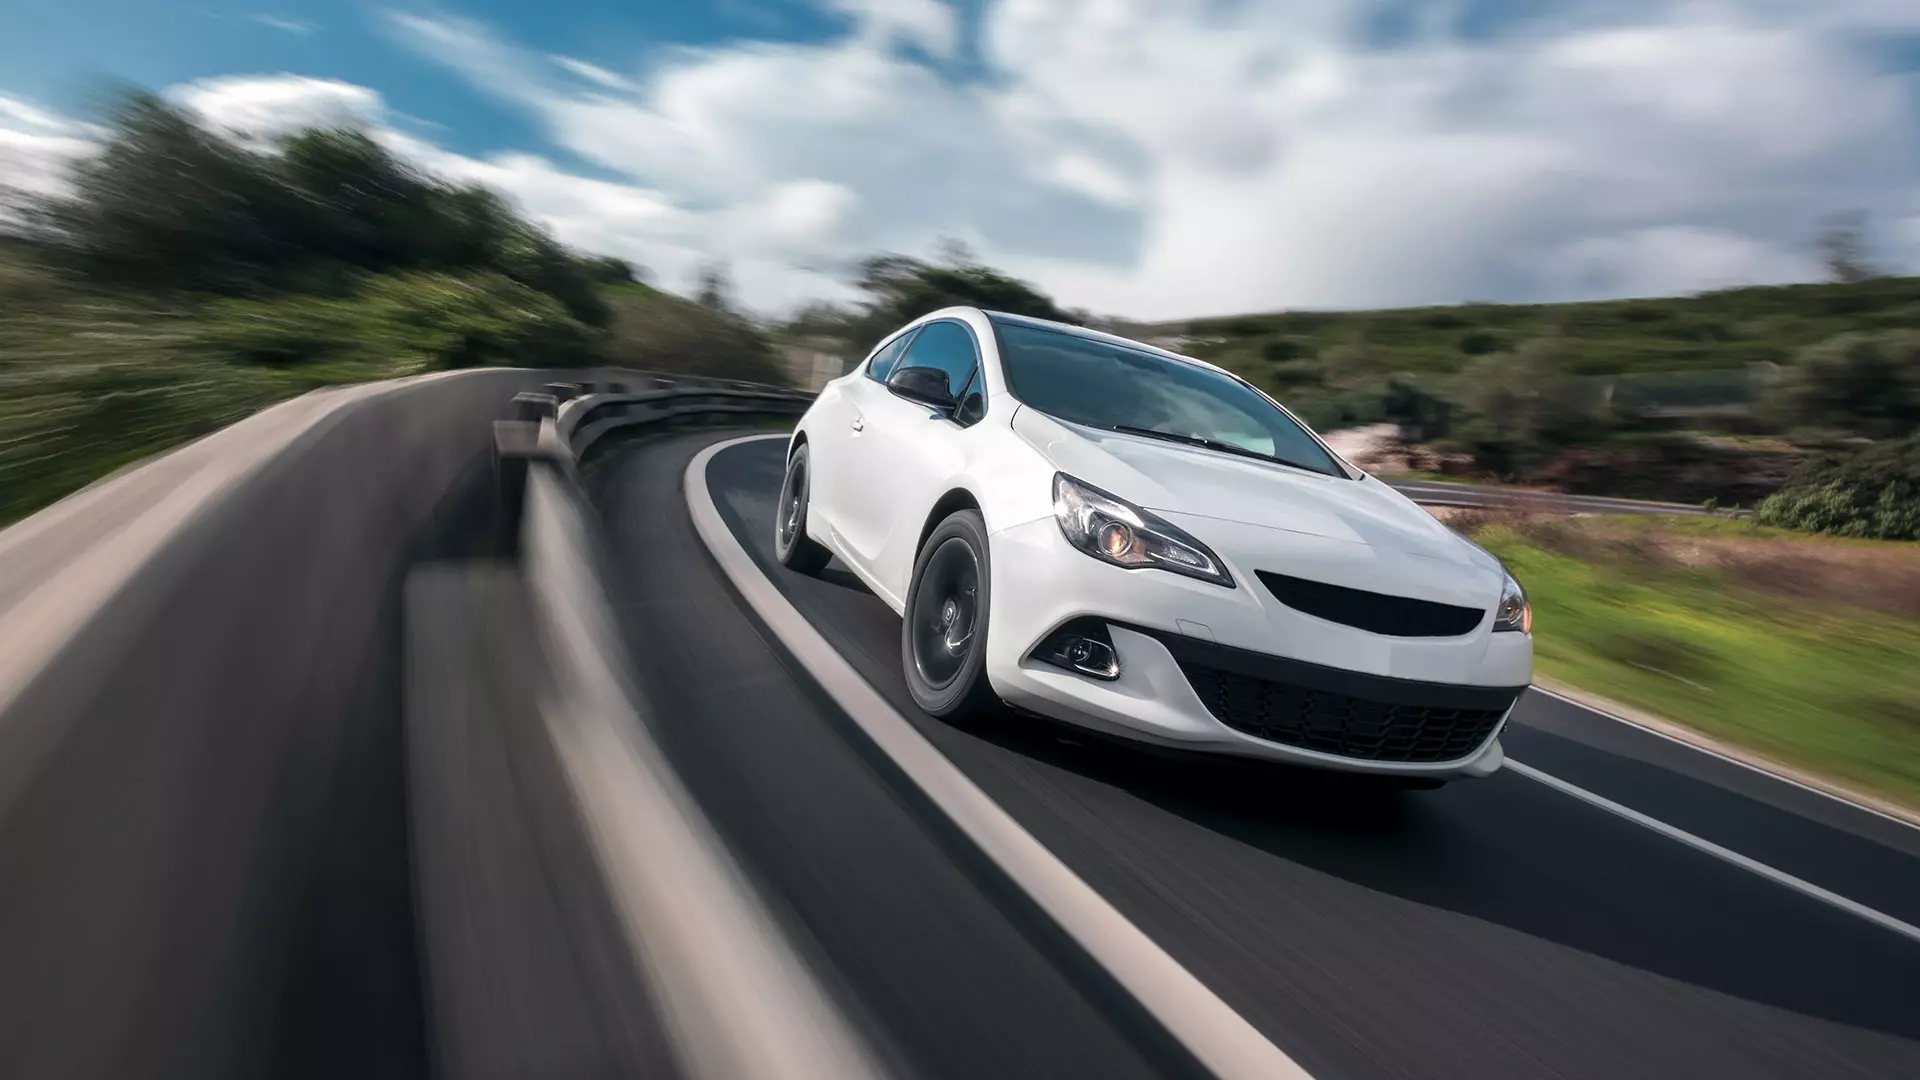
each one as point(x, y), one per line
point(791, 545)
point(947, 604)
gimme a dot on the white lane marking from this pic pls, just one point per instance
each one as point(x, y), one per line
point(1753, 866)
point(1208, 1027)
point(1726, 757)
point(737, 1000)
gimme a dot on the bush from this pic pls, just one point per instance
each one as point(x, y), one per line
point(1480, 343)
point(656, 331)
point(1863, 384)
point(1281, 350)
point(416, 322)
point(1872, 493)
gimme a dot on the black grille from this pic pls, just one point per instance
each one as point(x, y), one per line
point(1335, 723)
point(1378, 613)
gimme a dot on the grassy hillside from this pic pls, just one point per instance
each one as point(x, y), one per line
point(1718, 331)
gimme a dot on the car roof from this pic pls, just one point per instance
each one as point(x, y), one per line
point(1095, 335)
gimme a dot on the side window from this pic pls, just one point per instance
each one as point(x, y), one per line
point(973, 402)
point(948, 347)
point(882, 363)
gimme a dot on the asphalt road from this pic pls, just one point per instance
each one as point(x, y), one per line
point(1493, 928)
point(1487, 497)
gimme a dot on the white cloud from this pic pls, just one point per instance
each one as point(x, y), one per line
point(261, 108)
point(285, 25)
point(37, 147)
point(929, 24)
point(594, 73)
point(1160, 158)
point(1167, 157)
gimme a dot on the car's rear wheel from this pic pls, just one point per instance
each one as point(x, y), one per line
point(943, 639)
point(791, 544)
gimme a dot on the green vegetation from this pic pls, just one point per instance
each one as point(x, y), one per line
point(1800, 650)
point(1872, 492)
point(1719, 331)
point(187, 281)
point(899, 289)
point(1635, 398)
point(658, 331)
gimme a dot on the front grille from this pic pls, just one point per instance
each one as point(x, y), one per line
point(1379, 613)
point(1335, 723)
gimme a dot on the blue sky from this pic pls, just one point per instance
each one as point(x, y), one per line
point(1147, 157)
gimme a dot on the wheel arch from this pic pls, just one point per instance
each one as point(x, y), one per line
point(954, 500)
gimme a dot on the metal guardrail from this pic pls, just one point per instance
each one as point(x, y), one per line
point(739, 1000)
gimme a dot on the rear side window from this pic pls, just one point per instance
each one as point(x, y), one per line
point(948, 347)
point(882, 363)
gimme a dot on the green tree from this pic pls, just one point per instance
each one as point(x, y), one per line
point(1860, 384)
point(168, 205)
point(715, 291)
point(1843, 247)
point(1521, 405)
point(900, 289)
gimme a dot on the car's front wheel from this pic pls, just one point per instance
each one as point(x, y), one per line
point(791, 544)
point(943, 640)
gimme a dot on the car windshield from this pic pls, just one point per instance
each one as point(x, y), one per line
point(1085, 381)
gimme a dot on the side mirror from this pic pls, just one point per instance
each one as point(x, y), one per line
point(924, 385)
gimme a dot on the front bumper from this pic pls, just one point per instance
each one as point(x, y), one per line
point(1232, 671)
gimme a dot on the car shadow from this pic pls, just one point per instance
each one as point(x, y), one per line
point(1513, 853)
point(1503, 850)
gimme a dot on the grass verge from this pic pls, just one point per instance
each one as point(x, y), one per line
point(1685, 627)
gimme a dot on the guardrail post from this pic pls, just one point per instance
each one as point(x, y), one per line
point(515, 442)
point(534, 407)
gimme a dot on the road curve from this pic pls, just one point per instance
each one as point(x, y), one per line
point(1495, 928)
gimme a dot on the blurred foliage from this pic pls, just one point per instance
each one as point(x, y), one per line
point(1722, 331)
point(657, 331)
point(171, 206)
point(900, 289)
point(408, 323)
point(187, 280)
point(1871, 492)
point(1854, 384)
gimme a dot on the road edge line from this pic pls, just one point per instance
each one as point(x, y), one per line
point(1675, 732)
point(1728, 855)
point(1218, 1036)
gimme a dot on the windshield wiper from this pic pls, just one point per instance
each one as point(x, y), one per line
point(1202, 441)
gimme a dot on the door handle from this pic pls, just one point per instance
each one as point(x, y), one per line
point(859, 424)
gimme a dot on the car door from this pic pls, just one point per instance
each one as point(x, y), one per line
point(913, 450)
point(836, 444)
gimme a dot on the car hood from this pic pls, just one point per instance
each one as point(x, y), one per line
point(1170, 478)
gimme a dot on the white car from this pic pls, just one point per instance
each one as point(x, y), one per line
point(1123, 538)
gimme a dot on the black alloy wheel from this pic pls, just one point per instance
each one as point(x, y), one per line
point(791, 545)
point(943, 639)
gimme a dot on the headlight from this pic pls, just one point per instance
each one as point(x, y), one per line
point(1116, 531)
point(1513, 612)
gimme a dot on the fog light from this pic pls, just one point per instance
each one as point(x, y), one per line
point(1082, 646)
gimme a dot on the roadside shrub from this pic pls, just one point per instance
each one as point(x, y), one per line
point(1481, 342)
point(416, 322)
point(1872, 493)
point(656, 331)
point(1281, 350)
